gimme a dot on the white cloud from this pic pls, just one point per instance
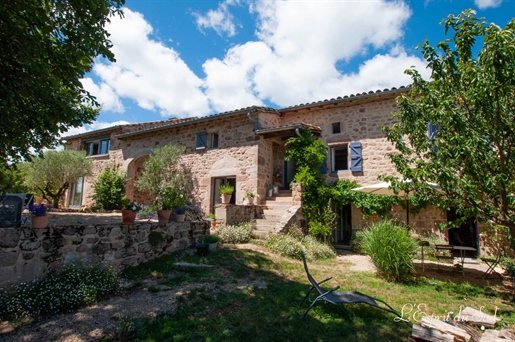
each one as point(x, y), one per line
point(148, 72)
point(299, 56)
point(483, 4)
point(301, 43)
point(105, 95)
point(221, 20)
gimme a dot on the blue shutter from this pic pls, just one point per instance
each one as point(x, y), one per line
point(431, 130)
point(323, 166)
point(356, 159)
point(201, 140)
point(431, 134)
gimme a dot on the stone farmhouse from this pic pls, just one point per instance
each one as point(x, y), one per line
point(246, 147)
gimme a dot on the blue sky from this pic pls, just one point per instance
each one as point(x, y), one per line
point(194, 58)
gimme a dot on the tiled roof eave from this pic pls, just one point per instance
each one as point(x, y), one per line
point(347, 98)
point(242, 111)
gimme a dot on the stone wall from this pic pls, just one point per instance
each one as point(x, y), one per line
point(227, 214)
point(359, 121)
point(27, 253)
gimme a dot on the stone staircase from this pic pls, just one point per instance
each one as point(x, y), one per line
point(274, 208)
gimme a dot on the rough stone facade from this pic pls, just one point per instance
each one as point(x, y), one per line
point(27, 253)
point(251, 147)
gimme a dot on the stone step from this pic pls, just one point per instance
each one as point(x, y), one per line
point(270, 213)
point(277, 206)
point(278, 199)
point(274, 209)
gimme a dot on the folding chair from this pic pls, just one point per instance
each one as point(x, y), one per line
point(337, 298)
point(492, 264)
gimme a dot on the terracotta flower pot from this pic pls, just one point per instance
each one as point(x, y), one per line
point(180, 217)
point(163, 216)
point(39, 221)
point(250, 200)
point(226, 198)
point(129, 217)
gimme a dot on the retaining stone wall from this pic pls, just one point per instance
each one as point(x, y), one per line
point(27, 253)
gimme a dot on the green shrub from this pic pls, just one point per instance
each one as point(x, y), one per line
point(292, 244)
point(314, 249)
point(109, 189)
point(238, 233)
point(285, 245)
point(356, 243)
point(72, 287)
point(391, 248)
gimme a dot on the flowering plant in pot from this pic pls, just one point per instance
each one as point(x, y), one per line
point(129, 211)
point(39, 209)
point(39, 215)
point(250, 197)
point(131, 205)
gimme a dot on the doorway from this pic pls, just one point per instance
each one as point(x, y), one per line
point(342, 234)
point(289, 173)
point(467, 234)
point(216, 199)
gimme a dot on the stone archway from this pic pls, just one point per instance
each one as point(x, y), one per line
point(134, 170)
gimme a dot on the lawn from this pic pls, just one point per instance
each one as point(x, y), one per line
point(252, 295)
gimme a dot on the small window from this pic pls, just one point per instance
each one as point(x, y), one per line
point(337, 128)
point(340, 158)
point(214, 140)
point(94, 147)
point(201, 140)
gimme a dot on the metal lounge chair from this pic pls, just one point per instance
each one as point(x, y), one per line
point(337, 298)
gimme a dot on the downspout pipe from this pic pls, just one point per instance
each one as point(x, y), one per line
point(256, 123)
point(297, 131)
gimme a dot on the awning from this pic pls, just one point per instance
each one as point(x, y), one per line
point(289, 131)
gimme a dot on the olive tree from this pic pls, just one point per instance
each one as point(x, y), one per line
point(458, 128)
point(163, 169)
point(54, 172)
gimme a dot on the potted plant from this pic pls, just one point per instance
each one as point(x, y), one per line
point(177, 203)
point(212, 217)
point(129, 212)
point(166, 203)
point(226, 191)
point(250, 197)
point(211, 240)
point(39, 215)
point(180, 214)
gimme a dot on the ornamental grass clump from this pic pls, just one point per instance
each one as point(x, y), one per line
point(294, 242)
point(72, 287)
point(391, 248)
point(237, 233)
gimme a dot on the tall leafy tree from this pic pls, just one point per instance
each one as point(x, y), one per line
point(46, 47)
point(54, 172)
point(458, 128)
point(11, 179)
